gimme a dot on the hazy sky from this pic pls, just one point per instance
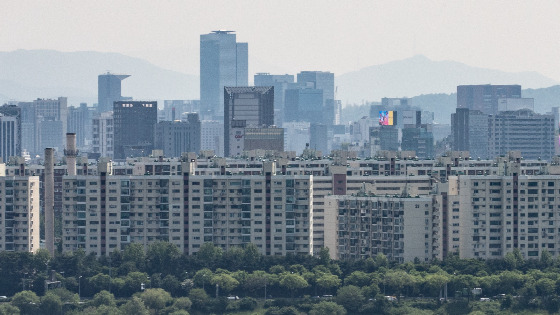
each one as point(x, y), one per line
point(289, 36)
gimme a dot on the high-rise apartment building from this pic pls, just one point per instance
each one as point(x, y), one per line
point(103, 133)
point(176, 137)
point(485, 97)
point(107, 212)
point(245, 107)
point(134, 127)
point(470, 132)
point(358, 227)
point(109, 90)
point(20, 211)
point(223, 62)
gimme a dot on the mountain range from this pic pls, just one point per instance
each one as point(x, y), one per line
point(29, 74)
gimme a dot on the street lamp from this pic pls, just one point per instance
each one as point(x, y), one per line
point(80, 288)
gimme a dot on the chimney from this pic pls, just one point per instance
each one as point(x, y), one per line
point(71, 153)
point(49, 200)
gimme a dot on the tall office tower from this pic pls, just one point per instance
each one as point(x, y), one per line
point(50, 131)
point(485, 97)
point(10, 137)
point(176, 137)
point(172, 109)
point(318, 80)
point(305, 104)
point(28, 122)
point(212, 136)
point(103, 133)
point(223, 62)
point(49, 118)
point(419, 139)
point(395, 101)
point(10, 132)
point(20, 212)
point(522, 130)
point(280, 84)
point(383, 138)
point(318, 138)
point(134, 128)
point(470, 132)
point(109, 90)
point(79, 122)
point(296, 136)
point(245, 107)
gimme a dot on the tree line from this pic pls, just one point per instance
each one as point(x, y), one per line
point(212, 275)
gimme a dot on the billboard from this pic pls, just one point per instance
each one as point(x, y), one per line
point(386, 118)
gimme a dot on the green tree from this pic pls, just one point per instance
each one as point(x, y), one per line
point(327, 281)
point(26, 301)
point(293, 282)
point(209, 255)
point(226, 282)
point(133, 282)
point(100, 282)
point(103, 298)
point(545, 287)
point(134, 306)
point(162, 257)
point(51, 304)
point(350, 297)
point(135, 254)
point(358, 278)
point(171, 284)
point(8, 309)
point(199, 298)
point(65, 295)
point(203, 277)
point(155, 299)
point(183, 303)
point(327, 307)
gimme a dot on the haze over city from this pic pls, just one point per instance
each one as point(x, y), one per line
point(288, 36)
point(279, 157)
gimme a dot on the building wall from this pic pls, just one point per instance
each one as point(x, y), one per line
point(399, 228)
point(134, 128)
point(103, 135)
point(274, 212)
point(19, 213)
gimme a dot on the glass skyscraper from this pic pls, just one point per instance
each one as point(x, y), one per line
point(223, 62)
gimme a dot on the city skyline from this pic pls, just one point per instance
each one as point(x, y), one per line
point(442, 31)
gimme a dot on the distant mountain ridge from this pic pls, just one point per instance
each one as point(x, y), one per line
point(419, 75)
point(28, 74)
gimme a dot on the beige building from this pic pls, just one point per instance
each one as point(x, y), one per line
point(106, 212)
point(19, 213)
point(358, 227)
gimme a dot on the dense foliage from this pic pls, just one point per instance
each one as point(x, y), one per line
point(161, 280)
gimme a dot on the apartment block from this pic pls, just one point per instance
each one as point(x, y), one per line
point(358, 227)
point(19, 213)
point(107, 212)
